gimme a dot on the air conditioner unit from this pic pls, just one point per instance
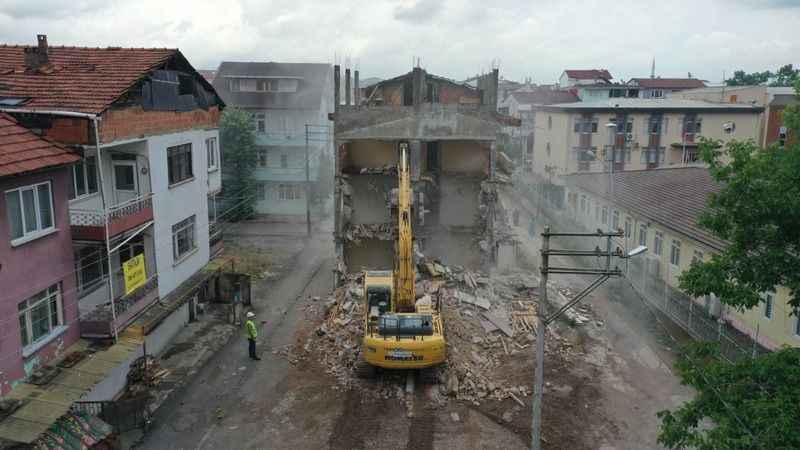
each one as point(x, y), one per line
point(629, 136)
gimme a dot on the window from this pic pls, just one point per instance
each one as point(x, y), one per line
point(697, 257)
point(642, 234)
point(658, 243)
point(615, 220)
point(261, 157)
point(549, 122)
point(290, 192)
point(548, 149)
point(768, 305)
point(605, 215)
point(183, 238)
point(284, 161)
point(30, 211)
point(675, 253)
point(84, 178)
point(234, 85)
point(91, 267)
point(657, 93)
point(212, 157)
point(597, 212)
point(179, 163)
point(40, 315)
point(261, 85)
point(585, 125)
point(583, 204)
point(261, 122)
point(654, 126)
point(628, 228)
point(797, 326)
point(261, 190)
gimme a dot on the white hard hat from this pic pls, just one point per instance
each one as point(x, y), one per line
point(250, 314)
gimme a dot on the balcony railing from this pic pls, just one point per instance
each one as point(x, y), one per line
point(100, 321)
point(90, 224)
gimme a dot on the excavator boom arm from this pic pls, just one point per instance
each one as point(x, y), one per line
point(404, 275)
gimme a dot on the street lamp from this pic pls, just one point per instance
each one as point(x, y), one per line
point(637, 251)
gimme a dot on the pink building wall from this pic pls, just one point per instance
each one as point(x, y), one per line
point(30, 268)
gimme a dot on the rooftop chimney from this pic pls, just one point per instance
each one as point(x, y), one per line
point(36, 57)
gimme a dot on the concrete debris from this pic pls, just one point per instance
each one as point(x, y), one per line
point(455, 417)
point(504, 163)
point(491, 322)
point(381, 231)
point(385, 170)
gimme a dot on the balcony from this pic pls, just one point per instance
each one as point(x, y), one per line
point(90, 224)
point(99, 322)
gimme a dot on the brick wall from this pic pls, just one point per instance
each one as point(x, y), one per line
point(69, 130)
point(134, 122)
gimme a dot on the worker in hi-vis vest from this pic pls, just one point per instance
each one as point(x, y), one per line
point(252, 334)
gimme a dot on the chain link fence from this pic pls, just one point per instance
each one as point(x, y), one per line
point(696, 318)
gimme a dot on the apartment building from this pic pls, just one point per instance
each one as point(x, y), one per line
point(451, 129)
point(773, 99)
point(630, 134)
point(522, 104)
point(659, 209)
point(657, 87)
point(39, 314)
point(145, 124)
point(290, 103)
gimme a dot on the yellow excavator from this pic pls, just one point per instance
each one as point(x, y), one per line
point(399, 331)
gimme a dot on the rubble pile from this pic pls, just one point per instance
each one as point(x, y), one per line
point(145, 373)
point(381, 231)
point(490, 324)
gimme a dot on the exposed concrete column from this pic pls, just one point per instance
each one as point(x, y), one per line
point(338, 199)
point(416, 158)
point(356, 90)
point(417, 86)
point(347, 87)
point(337, 90)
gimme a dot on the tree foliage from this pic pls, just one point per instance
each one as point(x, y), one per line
point(752, 404)
point(785, 76)
point(757, 211)
point(238, 141)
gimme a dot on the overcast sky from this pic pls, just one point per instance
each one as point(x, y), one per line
point(454, 38)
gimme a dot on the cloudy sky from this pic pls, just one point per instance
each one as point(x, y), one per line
point(453, 38)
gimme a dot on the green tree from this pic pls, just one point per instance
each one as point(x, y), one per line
point(757, 211)
point(752, 404)
point(238, 141)
point(785, 76)
point(741, 78)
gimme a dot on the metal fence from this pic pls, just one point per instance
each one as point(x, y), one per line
point(693, 317)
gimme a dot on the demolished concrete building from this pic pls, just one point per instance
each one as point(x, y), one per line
point(451, 129)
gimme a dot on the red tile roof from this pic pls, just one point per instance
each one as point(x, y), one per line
point(590, 74)
point(77, 78)
point(673, 198)
point(669, 83)
point(21, 150)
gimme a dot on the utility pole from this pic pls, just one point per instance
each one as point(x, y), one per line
point(543, 320)
point(308, 186)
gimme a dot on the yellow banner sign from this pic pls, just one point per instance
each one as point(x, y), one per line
point(135, 275)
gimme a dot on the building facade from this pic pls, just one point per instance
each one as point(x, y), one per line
point(146, 126)
point(773, 99)
point(290, 103)
point(451, 129)
point(631, 134)
point(659, 209)
point(38, 302)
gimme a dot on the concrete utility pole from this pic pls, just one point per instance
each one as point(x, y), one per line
point(603, 273)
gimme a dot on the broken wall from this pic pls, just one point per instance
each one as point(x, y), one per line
point(369, 198)
point(459, 200)
point(465, 157)
point(369, 153)
point(369, 254)
point(452, 246)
